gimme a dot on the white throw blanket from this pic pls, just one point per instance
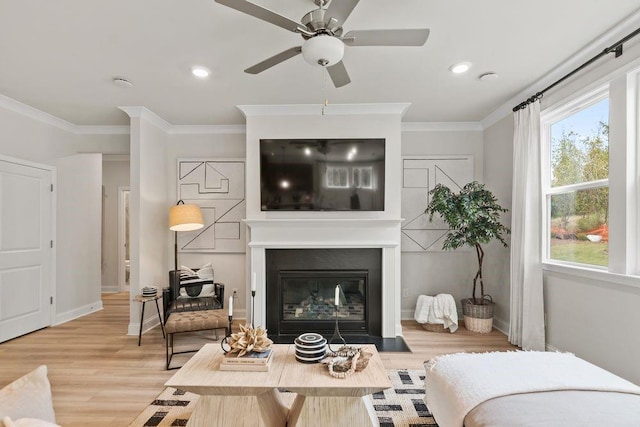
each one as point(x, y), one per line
point(440, 310)
point(457, 383)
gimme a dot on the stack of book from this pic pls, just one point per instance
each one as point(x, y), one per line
point(254, 361)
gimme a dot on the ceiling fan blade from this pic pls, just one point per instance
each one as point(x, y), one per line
point(341, 9)
point(408, 37)
point(261, 13)
point(338, 74)
point(274, 60)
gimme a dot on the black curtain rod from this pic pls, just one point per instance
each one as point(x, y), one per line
point(614, 48)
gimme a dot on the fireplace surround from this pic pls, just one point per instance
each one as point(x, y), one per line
point(353, 230)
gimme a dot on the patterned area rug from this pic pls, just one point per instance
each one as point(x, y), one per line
point(400, 406)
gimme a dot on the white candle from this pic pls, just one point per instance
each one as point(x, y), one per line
point(337, 300)
point(253, 282)
point(230, 306)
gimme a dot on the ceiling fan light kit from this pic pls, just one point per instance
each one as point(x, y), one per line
point(323, 34)
point(323, 50)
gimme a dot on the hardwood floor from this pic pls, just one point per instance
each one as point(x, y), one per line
point(100, 377)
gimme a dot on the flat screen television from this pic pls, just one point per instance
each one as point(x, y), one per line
point(322, 174)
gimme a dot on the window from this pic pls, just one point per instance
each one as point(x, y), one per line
point(361, 177)
point(576, 183)
point(337, 177)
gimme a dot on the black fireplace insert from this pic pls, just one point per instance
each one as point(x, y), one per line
point(301, 291)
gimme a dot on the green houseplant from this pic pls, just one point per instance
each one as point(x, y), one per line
point(473, 217)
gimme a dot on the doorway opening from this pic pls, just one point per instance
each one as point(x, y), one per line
point(124, 260)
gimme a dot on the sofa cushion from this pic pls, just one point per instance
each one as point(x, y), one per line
point(28, 397)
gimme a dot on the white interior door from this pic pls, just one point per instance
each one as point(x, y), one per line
point(26, 257)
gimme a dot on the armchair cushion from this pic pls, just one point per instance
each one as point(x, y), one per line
point(196, 283)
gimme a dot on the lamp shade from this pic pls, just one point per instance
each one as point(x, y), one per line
point(185, 218)
point(323, 50)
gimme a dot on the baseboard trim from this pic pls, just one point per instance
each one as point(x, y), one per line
point(501, 325)
point(550, 347)
point(78, 312)
point(150, 323)
point(498, 323)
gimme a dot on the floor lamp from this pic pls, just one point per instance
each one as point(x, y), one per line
point(183, 218)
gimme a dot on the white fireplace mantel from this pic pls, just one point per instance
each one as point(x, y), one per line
point(324, 233)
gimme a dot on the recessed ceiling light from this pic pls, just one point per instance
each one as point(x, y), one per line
point(200, 72)
point(459, 68)
point(488, 77)
point(119, 81)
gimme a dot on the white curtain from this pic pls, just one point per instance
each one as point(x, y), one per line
point(526, 328)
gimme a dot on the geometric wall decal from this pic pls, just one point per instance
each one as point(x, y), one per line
point(419, 176)
point(218, 187)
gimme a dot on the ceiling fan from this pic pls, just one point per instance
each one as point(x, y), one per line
point(323, 34)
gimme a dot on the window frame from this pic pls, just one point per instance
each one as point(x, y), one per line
point(623, 85)
point(550, 116)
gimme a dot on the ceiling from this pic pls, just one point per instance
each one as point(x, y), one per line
point(61, 56)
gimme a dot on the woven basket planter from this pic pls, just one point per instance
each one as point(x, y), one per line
point(478, 317)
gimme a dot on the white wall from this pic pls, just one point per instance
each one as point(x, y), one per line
point(79, 180)
point(29, 139)
point(431, 273)
point(498, 172)
point(228, 268)
point(115, 174)
point(148, 210)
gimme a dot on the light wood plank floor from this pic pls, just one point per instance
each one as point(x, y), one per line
point(100, 377)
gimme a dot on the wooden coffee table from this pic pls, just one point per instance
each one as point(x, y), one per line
point(327, 401)
point(234, 398)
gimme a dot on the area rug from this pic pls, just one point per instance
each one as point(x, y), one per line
point(400, 406)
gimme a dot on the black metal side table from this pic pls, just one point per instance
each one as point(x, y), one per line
point(144, 301)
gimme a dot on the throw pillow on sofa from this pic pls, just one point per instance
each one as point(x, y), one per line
point(201, 282)
point(28, 397)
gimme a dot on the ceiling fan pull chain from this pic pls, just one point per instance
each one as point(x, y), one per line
point(324, 89)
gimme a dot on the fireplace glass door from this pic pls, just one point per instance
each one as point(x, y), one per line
point(308, 301)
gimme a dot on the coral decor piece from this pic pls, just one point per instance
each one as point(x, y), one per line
point(346, 360)
point(249, 340)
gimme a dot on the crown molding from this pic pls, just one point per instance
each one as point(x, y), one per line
point(611, 36)
point(145, 114)
point(207, 129)
point(101, 130)
point(35, 114)
point(320, 109)
point(440, 126)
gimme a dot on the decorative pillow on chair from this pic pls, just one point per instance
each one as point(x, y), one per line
point(28, 397)
point(201, 282)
